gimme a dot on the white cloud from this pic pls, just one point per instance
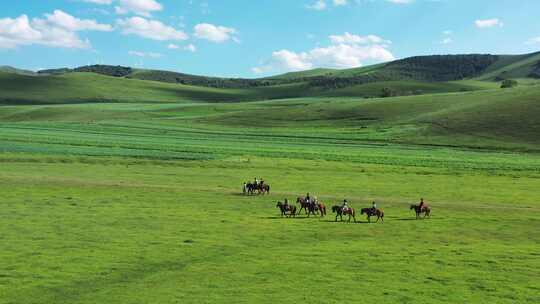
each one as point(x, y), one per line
point(64, 20)
point(447, 40)
point(487, 23)
point(349, 38)
point(535, 40)
point(138, 7)
point(401, 1)
point(101, 2)
point(215, 33)
point(447, 37)
point(345, 51)
point(143, 54)
point(340, 2)
point(150, 29)
point(319, 5)
point(57, 30)
point(191, 48)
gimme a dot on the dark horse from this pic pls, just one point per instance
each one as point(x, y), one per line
point(311, 207)
point(338, 210)
point(419, 210)
point(291, 209)
point(261, 189)
point(373, 212)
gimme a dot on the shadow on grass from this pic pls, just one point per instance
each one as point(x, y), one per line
point(414, 219)
point(285, 218)
point(347, 222)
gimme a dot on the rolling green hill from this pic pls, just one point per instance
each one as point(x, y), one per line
point(410, 76)
point(91, 87)
point(9, 69)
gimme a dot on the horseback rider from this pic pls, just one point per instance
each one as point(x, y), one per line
point(256, 181)
point(308, 199)
point(286, 205)
point(344, 206)
point(262, 182)
point(373, 207)
point(422, 205)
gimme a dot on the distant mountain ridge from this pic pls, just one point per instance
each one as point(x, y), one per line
point(410, 76)
point(432, 68)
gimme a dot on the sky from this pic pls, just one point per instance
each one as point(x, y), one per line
point(255, 38)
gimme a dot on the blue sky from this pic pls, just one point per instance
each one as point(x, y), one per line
point(249, 38)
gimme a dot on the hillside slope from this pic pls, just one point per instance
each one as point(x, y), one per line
point(91, 87)
point(499, 118)
point(410, 76)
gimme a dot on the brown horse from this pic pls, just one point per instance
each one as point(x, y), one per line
point(338, 210)
point(311, 207)
point(304, 205)
point(286, 208)
point(317, 208)
point(419, 210)
point(373, 212)
point(264, 189)
point(261, 189)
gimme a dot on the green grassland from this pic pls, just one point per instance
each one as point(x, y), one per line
point(140, 202)
point(124, 190)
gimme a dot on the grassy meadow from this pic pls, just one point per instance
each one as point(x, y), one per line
point(141, 202)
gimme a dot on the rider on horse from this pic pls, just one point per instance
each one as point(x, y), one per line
point(344, 206)
point(373, 207)
point(308, 199)
point(422, 205)
point(286, 204)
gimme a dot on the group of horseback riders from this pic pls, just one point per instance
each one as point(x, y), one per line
point(311, 205)
point(258, 185)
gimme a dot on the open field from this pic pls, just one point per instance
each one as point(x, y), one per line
point(141, 203)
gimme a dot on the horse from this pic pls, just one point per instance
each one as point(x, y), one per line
point(370, 212)
point(261, 189)
point(284, 209)
point(338, 210)
point(419, 210)
point(304, 204)
point(264, 189)
point(318, 208)
point(311, 207)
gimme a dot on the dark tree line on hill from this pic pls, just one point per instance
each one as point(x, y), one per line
point(441, 67)
point(108, 70)
point(424, 68)
point(213, 82)
point(420, 68)
point(536, 71)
